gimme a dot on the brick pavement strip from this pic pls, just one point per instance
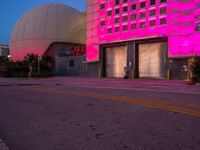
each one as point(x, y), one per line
point(3, 145)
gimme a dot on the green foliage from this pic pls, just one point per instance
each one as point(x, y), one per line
point(22, 68)
point(16, 69)
point(31, 59)
point(3, 60)
point(195, 68)
point(47, 63)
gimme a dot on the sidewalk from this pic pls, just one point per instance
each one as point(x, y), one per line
point(170, 86)
point(3, 145)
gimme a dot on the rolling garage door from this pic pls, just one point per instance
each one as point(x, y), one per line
point(116, 60)
point(153, 60)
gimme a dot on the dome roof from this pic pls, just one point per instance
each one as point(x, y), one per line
point(41, 26)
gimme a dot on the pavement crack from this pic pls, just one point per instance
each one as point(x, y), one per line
point(98, 135)
point(92, 127)
point(90, 105)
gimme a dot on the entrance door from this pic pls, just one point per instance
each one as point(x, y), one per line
point(116, 60)
point(179, 69)
point(153, 60)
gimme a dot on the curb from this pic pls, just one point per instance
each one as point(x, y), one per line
point(3, 145)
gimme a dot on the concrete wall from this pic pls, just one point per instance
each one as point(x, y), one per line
point(81, 68)
point(93, 69)
point(63, 67)
point(179, 68)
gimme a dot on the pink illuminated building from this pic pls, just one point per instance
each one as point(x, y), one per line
point(143, 38)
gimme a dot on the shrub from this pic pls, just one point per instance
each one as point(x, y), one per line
point(21, 68)
point(195, 68)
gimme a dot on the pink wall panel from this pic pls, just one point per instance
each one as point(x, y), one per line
point(179, 26)
point(173, 51)
point(196, 50)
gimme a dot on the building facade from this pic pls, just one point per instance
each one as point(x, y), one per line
point(143, 38)
point(4, 50)
point(70, 60)
point(39, 28)
point(4, 54)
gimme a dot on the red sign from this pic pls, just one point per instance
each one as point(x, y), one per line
point(78, 51)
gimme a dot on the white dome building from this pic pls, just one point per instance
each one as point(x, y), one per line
point(40, 27)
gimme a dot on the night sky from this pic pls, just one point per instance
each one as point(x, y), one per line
point(11, 10)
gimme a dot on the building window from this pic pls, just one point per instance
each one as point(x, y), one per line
point(71, 63)
point(198, 4)
point(163, 10)
point(142, 25)
point(152, 12)
point(125, 1)
point(133, 7)
point(117, 20)
point(163, 1)
point(133, 26)
point(102, 23)
point(117, 29)
point(133, 17)
point(117, 11)
point(197, 27)
point(163, 21)
point(102, 6)
point(142, 4)
point(152, 2)
point(125, 18)
point(142, 15)
point(117, 2)
point(152, 23)
point(109, 30)
point(110, 13)
point(125, 27)
point(125, 9)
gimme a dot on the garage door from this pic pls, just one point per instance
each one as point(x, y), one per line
point(153, 60)
point(116, 60)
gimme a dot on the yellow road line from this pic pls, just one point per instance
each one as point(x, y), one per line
point(156, 104)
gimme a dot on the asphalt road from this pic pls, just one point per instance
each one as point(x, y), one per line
point(99, 114)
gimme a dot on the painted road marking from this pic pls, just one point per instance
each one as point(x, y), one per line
point(139, 89)
point(156, 104)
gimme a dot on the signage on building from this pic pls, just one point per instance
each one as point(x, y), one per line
point(78, 51)
point(73, 51)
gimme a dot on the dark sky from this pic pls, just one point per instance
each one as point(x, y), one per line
point(11, 10)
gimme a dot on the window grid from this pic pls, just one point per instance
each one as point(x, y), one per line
point(139, 12)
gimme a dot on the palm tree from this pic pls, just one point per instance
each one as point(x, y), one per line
point(31, 59)
point(48, 62)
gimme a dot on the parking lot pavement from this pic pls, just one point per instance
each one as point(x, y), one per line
point(3, 145)
point(101, 114)
point(170, 86)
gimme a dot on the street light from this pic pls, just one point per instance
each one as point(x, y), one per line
point(39, 58)
point(9, 57)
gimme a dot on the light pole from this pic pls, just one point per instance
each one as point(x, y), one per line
point(9, 57)
point(39, 57)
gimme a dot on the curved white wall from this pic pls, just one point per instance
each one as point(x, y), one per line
point(41, 26)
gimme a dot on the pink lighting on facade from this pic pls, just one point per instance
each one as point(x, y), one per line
point(173, 19)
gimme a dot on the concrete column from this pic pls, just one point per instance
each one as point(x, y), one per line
point(131, 59)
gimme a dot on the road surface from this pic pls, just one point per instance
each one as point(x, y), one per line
point(99, 114)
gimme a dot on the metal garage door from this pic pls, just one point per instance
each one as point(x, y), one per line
point(153, 60)
point(116, 60)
